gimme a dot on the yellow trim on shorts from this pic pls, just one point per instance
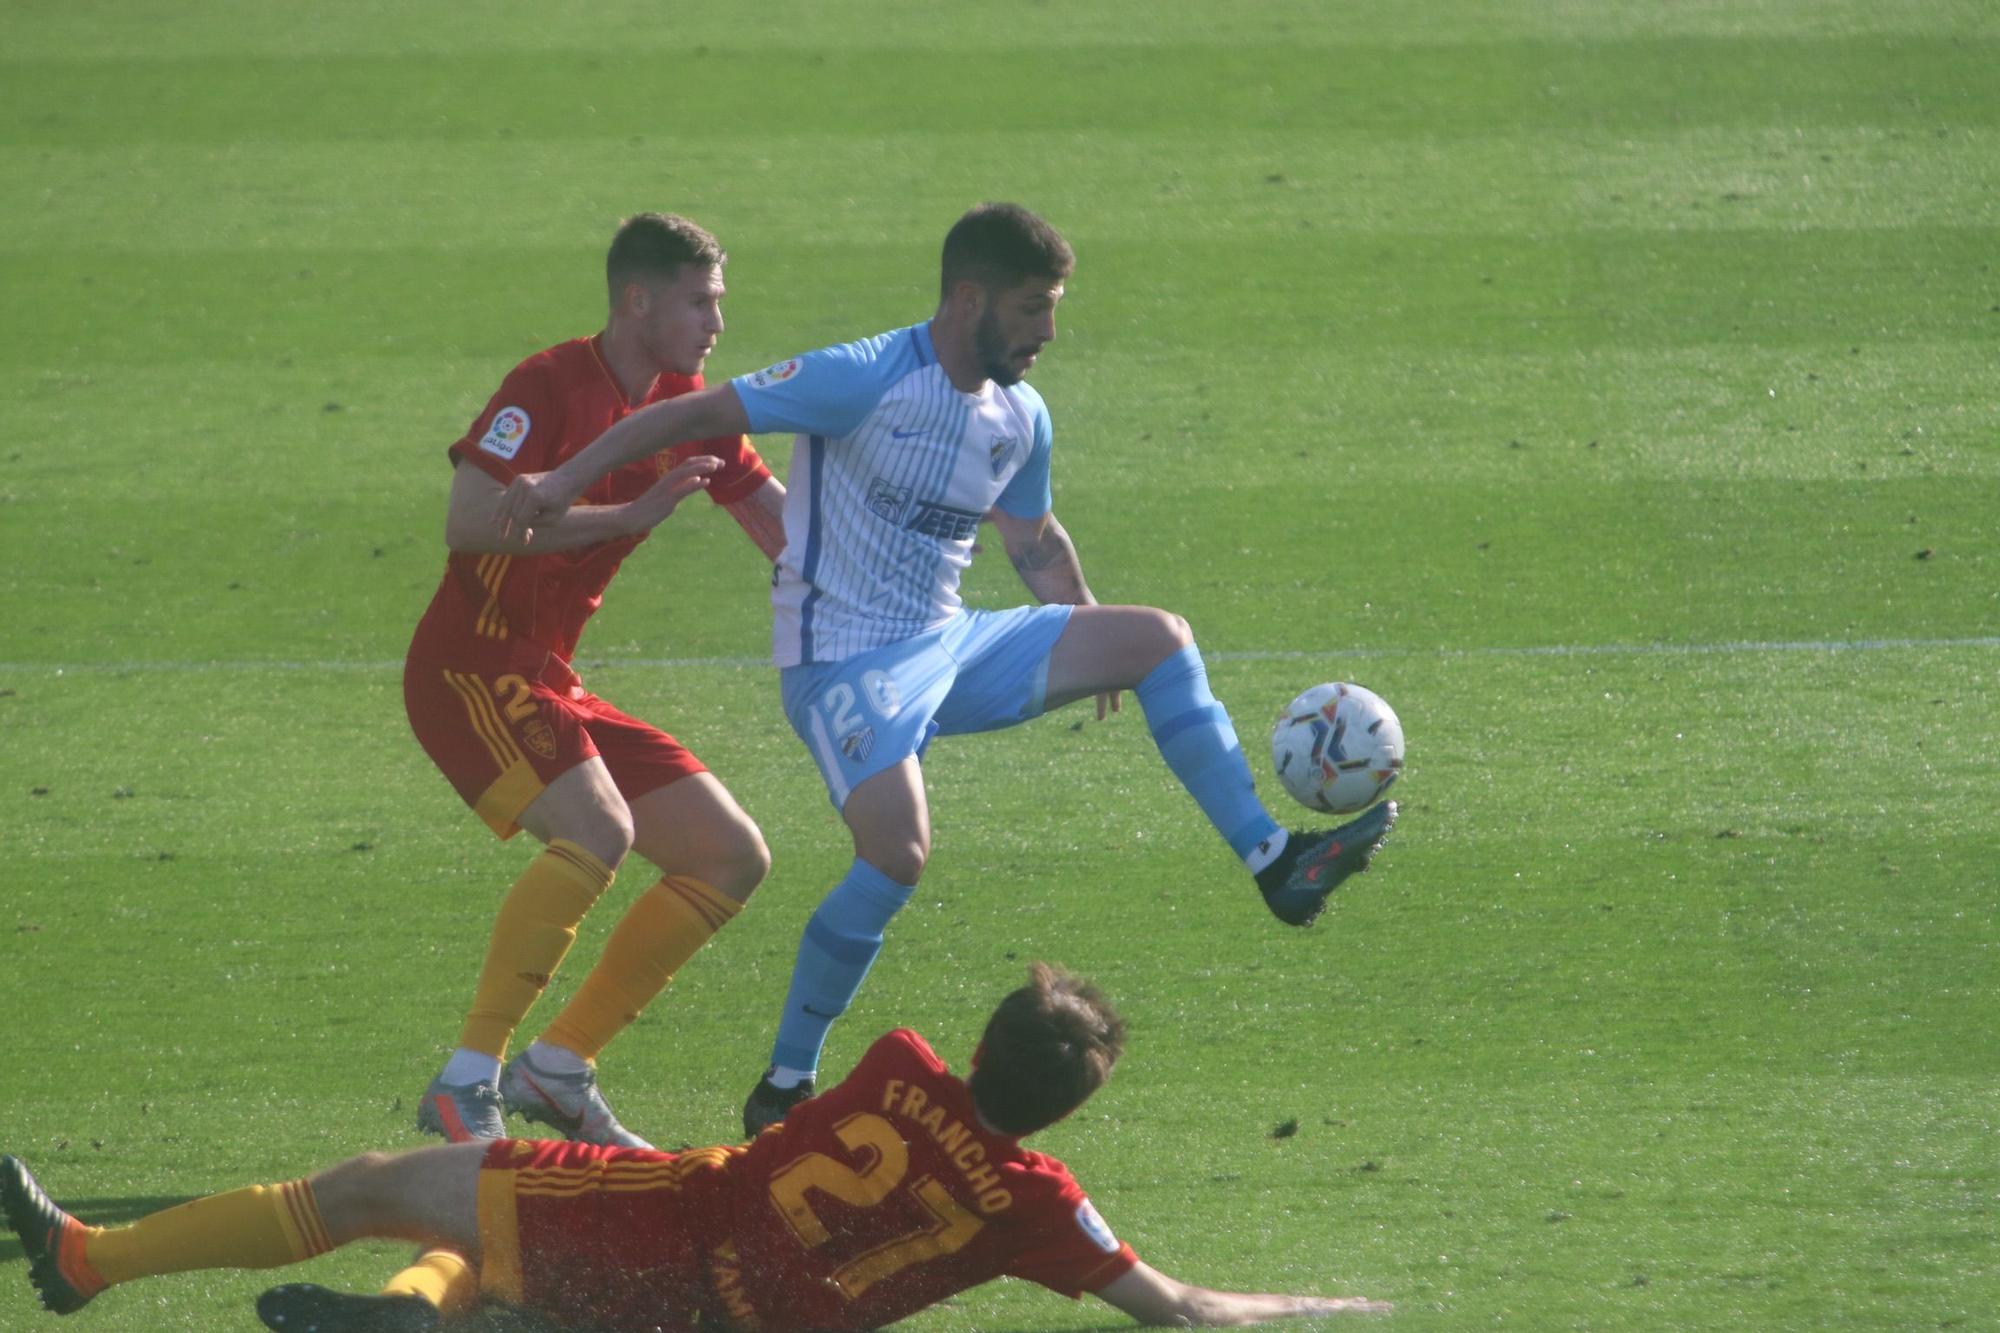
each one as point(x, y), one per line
point(499, 1236)
point(501, 804)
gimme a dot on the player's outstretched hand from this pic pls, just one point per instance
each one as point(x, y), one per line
point(1345, 1305)
point(675, 485)
point(530, 501)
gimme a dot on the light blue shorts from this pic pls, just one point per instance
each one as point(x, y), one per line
point(979, 671)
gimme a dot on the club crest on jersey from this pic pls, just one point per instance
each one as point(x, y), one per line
point(509, 431)
point(540, 738)
point(1001, 451)
point(1094, 1227)
point(857, 744)
point(886, 499)
point(777, 374)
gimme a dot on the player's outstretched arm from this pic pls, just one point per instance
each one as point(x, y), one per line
point(1153, 1298)
point(531, 501)
point(472, 519)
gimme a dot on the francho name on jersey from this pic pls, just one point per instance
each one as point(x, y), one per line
point(909, 1101)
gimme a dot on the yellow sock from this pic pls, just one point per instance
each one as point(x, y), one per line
point(660, 932)
point(536, 926)
point(261, 1226)
point(442, 1277)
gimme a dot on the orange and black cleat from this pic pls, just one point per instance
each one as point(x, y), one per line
point(52, 1239)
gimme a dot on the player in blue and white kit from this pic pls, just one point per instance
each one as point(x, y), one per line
point(905, 443)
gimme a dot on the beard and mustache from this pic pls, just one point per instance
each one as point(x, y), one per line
point(996, 358)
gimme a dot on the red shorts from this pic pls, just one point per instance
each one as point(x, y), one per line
point(501, 738)
point(598, 1237)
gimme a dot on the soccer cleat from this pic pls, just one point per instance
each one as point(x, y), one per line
point(569, 1103)
point(462, 1112)
point(301, 1307)
point(52, 1240)
point(1312, 866)
point(768, 1104)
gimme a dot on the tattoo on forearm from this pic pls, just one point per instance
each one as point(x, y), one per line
point(1039, 556)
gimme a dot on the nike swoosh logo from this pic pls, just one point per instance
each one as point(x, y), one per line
point(574, 1122)
point(904, 434)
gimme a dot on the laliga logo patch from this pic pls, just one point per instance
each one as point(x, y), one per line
point(1093, 1227)
point(777, 374)
point(507, 434)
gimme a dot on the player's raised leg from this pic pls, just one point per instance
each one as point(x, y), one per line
point(428, 1196)
point(712, 857)
point(1153, 653)
point(890, 820)
point(587, 830)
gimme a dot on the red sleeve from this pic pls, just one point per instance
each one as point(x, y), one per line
point(518, 431)
point(1074, 1251)
point(743, 469)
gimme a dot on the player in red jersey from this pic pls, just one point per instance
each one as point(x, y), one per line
point(889, 1192)
point(495, 701)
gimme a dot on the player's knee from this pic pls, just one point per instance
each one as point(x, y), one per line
point(606, 833)
point(352, 1195)
point(1162, 635)
point(742, 866)
point(902, 860)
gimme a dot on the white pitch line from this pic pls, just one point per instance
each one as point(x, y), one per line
point(1745, 646)
point(1731, 646)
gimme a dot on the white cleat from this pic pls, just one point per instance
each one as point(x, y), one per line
point(571, 1104)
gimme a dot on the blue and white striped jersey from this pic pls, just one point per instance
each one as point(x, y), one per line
point(892, 469)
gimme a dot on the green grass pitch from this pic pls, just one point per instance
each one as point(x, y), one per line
point(1610, 385)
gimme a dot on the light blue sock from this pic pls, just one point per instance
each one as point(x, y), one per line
point(839, 945)
point(1199, 744)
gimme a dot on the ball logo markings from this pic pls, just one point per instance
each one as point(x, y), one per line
point(1337, 748)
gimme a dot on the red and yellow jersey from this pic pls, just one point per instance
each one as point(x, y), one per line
point(883, 1195)
point(526, 612)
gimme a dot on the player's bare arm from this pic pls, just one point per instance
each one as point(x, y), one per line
point(1154, 1299)
point(1046, 560)
point(533, 501)
point(472, 518)
point(1044, 557)
point(761, 515)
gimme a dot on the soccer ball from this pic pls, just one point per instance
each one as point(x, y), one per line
point(1337, 747)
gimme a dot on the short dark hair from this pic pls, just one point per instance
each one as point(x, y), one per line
point(652, 246)
point(1047, 1048)
point(1001, 245)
